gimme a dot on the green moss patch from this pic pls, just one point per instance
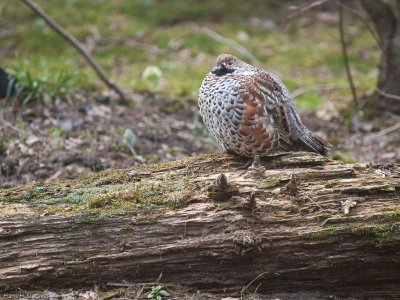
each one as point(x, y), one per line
point(384, 234)
point(109, 176)
point(330, 231)
point(136, 195)
point(270, 182)
point(106, 192)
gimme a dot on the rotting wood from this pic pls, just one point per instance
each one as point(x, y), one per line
point(134, 224)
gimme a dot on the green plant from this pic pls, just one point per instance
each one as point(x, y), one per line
point(23, 86)
point(152, 75)
point(57, 131)
point(130, 140)
point(129, 137)
point(27, 85)
point(158, 293)
point(245, 288)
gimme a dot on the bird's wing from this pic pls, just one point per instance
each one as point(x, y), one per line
point(292, 132)
point(264, 116)
point(276, 106)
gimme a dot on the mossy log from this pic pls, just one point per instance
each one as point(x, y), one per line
point(296, 222)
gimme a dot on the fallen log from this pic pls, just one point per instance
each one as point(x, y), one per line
point(297, 222)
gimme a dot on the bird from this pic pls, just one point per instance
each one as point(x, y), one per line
point(249, 112)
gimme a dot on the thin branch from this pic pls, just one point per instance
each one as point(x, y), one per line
point(224, 40)
point(387, 95)
point(365, 22)
point(346, 58)
point(372, 137)
point(343, 44)
point(139, 293)
point(387, 130)
point(308, 7)
point(77, 45)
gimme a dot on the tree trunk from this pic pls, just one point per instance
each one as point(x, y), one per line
point(386, 18)
point(304, 224)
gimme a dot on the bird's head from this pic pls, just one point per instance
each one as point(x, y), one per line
point(227, 64)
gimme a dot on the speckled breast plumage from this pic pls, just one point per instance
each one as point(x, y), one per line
point(233, 110)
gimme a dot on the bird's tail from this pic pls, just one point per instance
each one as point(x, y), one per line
point(315, 143)
point(301, 136)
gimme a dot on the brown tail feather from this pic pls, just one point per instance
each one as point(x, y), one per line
point(315, 143)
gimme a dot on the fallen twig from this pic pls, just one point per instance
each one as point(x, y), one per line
point(308, 7)
point(385, 131)
point(77, 45)
point(122, 284)
point(139, 293)
point(387, 95)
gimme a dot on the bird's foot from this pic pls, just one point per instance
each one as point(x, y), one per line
point(256, 169)
point(247, 164)
point(256, 165)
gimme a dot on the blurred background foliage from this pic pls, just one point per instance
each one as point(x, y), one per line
point(304, 51)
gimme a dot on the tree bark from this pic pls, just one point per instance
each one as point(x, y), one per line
point(386, 19)
point(303, 223)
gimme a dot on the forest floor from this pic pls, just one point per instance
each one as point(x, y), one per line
point(66, 141)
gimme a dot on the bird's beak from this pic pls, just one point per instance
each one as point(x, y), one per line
point(219, 70)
